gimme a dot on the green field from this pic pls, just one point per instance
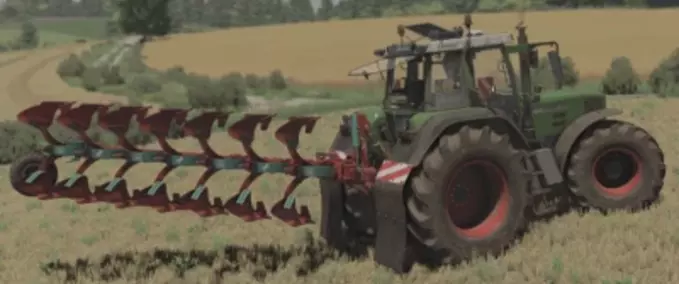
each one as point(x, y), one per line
point(59, 30)
point(48, 38)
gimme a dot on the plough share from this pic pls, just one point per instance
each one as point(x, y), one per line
point(40, 179)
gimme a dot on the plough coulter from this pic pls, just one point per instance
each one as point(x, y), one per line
point(454, 162)
point(42, 184)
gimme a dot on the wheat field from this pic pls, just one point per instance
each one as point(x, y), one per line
point(326, 51)
point(58, 241)
point(54, 241)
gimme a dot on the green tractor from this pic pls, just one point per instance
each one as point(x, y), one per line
point(463, 153)
point(469, 151)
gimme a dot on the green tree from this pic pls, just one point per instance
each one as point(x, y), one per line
point(145, 17)
point(92, 7)
point(302, 11)
point(325, 11)
point(8, 12)
point(220, 13)
point(29, 36)
point(282, 14)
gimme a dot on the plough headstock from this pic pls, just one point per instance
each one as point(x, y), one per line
point(343, 167)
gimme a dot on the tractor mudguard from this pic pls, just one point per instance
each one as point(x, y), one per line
point(573, 131)
point(413, 153)
point(391, 242)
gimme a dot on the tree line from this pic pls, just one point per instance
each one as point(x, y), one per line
point(236, 13)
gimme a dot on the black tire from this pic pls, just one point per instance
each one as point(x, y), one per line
point(488, 231)
point(633, 151)
point(23, 167)
point(359, 211)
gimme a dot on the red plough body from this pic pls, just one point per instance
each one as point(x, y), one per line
point(41, 182)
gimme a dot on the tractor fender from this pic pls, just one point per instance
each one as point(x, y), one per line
point(429, 133)
point(570, 135)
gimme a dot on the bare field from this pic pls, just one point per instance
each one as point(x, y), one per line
point(94, 242)
point(326, 51)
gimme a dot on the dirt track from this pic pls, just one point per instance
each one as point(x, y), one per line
point(27, 78)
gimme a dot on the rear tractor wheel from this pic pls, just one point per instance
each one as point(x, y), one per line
point(616, 166)
point(470, 195)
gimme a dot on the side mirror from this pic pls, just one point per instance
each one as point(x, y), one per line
point(534, 59)
point(557, 68)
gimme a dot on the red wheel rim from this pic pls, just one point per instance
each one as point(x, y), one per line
point(477, 199)
point(617, 171)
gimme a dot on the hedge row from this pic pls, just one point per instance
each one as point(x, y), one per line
point(173, 87)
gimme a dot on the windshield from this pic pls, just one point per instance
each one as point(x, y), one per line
point(379, 66)
point(490, 64)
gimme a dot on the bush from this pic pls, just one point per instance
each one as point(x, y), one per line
point(620, 78)
point(72, 66)
point(25, 139)
point(543, 77)
point(254, 82)
point(233, 90)
point(111, 28)
point(225, 93)
point(277, 81)
point(111, 76)
point(134, 63)
point(235, 80)
point(92, 79)
point(669, 91)
point(666, 74)
point(29, 36)
point(175, 74)
point(144, 84)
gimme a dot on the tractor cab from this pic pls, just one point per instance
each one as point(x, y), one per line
point(454, 69)
point(444, 73)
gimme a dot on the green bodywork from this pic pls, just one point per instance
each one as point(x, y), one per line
point(552, 113)
point(556, 110)
point(405, 132)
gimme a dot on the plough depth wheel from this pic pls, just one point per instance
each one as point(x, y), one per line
point(31, 173)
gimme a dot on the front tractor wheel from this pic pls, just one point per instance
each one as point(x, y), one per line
point(616, 165)
point(470, 195)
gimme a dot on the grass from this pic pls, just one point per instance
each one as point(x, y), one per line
point(87, 28)
point(95, 242)
point(297, 50)
point(46, 37)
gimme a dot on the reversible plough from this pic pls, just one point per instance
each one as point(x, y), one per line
point(347, 168)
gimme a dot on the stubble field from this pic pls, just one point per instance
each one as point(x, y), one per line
point(326, 51)
point(54, 241)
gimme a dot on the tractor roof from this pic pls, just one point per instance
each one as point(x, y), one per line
point(478, 40)
point(441, 40)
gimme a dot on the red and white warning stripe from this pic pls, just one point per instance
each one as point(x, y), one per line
point(393, 172)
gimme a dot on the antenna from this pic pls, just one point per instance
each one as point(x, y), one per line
point(522, 13)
